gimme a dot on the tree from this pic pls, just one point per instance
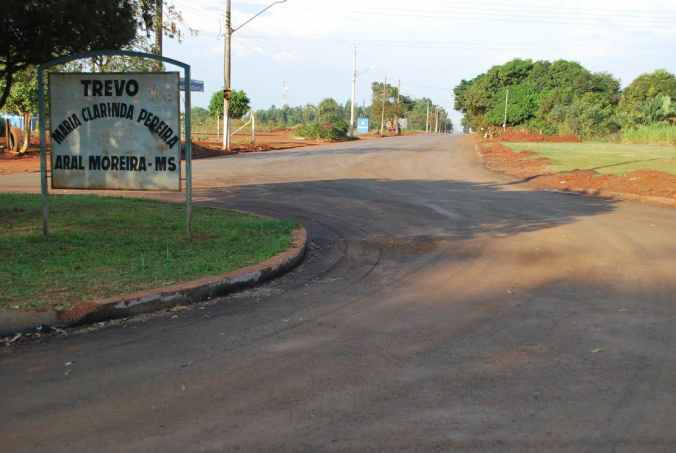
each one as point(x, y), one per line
point(23, 99)
point(646, 88)
point(199, 115)
point(385, 96)
point(239, 104)
point(584, 119)
point(308, 114)
point(329, 108)
point(417, 116)
point(521, 105)
point(535, 91)
point(36, 31)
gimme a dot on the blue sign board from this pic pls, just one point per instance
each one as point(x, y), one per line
point(18, 121)
point(362, 125)
point(195, 85)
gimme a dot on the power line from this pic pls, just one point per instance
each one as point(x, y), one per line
point(497, 18)
point(280, 53)
point(465, 45)
point(484, 6)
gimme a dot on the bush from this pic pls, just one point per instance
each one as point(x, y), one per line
point(584, 119)
point(333, 129)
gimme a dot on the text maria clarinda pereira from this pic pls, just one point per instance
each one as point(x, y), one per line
point(115, 110)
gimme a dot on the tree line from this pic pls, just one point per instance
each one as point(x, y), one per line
point(387, 105)
point(563, 97)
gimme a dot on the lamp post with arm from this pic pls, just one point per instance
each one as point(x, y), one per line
point(354, 84)
point(226, 92)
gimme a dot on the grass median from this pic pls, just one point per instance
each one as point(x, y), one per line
point(604, 158)
point(103, 246)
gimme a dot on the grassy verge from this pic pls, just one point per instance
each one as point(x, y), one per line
point(605, 158)
point(658, 134)
point(103, 246)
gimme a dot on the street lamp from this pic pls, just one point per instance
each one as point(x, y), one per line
point(226, 92)
point(354, 83)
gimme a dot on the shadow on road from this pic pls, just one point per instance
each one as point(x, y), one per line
point(454, 210)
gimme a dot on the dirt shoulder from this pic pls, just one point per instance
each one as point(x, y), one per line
point(282, 139)
point(643, 185)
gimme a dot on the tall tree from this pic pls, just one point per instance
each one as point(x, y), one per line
point(384, 98)
point(36, 31)
point(646, 88)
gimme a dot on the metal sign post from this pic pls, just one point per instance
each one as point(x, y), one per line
point(115, 130)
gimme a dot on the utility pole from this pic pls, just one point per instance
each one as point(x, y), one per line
point(382, 117)
point(354, 85)
point(253, 126)
point(504, 125)
point(427, 121)
point(226, 91)
point(436, 121)
point(284, 89)
point(396, 126)
point(159, 31)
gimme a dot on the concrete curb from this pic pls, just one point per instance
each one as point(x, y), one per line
point(152, 300)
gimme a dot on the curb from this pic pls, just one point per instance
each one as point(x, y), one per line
point(153, 300)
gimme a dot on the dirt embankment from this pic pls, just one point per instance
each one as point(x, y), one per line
point(642, 185)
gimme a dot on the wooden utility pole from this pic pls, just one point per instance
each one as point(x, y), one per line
point(253, 126)
point(226, 91)
point(354, 84)
point(396, 125)
point(382, 116)
point(504, 125)
point(436, 121)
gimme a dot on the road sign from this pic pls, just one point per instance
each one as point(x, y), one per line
point(362, 125)
point(195, 85)
point(115, 131)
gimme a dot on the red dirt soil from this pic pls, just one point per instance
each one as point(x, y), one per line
point(12, 163)
point(513, 136)
point(641, 185)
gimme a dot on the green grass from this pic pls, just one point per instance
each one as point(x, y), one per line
point(103, 246)
point(658, 134)
point(605, 158)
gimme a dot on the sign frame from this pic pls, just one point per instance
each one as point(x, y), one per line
point(43, 140)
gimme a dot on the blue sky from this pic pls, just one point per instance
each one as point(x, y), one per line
point(428, 45)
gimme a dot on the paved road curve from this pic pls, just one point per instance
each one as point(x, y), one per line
point(441, 307)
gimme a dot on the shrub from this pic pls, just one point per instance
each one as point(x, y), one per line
point(584, 119)
point(333, 129)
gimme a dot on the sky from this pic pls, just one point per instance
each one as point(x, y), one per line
point(429, 46)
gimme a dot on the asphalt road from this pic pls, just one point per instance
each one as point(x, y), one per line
point(441, 307)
